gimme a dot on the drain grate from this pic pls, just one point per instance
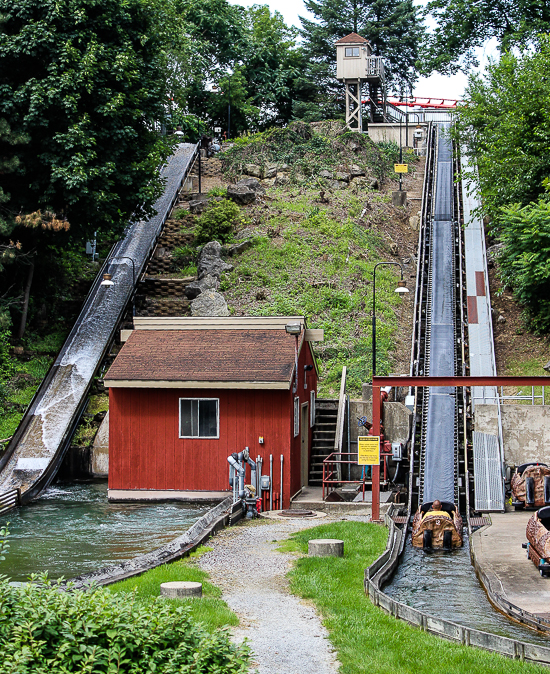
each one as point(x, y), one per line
point(297, 513)
point(479, 521)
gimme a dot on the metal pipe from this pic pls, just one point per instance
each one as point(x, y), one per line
point(349, 444)
point(271, 481)
point(281, 500)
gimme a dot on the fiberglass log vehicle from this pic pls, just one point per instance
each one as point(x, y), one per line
point(437, 528)
point(531, 486)
point(538, 537)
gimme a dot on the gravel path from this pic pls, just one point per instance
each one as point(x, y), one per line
point(285, 633)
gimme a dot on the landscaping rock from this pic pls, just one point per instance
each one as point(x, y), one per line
point(394, 250)
point(414, 222)
point(284, 167)
point(340, 175)
point(209, 303)
point(195, 288)
point(281, 179)
point(356, 171)
point(197, 206)
point(210, 261)
point(270, 171)
point(337, 184)
point(238, 247)
point(325, 174)
point(246, 233)
point(241, 194)
point(252, 184)
point(253, 170)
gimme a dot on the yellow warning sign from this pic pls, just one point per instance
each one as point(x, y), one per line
point(368, 450)
point(401, 168)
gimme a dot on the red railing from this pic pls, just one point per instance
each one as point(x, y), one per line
point(331, 481)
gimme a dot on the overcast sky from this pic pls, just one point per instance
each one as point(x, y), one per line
point(436, 85)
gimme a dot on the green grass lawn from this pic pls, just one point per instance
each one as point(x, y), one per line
point(366, 639)
point(211, 610)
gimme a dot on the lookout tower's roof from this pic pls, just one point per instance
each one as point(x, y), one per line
point(352, 38)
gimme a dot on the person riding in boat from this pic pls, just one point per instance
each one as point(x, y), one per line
point(436, 509)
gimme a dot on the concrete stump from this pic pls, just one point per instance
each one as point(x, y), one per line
point(181, 589)
point(325, 547)
point(399, 198)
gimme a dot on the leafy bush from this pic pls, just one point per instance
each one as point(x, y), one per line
point(525, 258)
point(43, 629)
point(219, 191)
point(218, 222)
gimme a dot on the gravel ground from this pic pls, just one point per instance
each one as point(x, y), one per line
point(285, 633)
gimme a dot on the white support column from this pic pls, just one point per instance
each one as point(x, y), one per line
point(354, 118)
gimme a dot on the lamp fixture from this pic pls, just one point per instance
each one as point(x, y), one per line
point(293, 328)
point(401, 287)
point(107, 281)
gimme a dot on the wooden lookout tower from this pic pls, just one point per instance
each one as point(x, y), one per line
point(356, 65)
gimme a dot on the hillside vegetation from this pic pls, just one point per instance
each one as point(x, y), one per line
point(315, 238)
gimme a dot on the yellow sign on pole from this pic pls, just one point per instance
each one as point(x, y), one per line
point(368, 450)
point(401, 168)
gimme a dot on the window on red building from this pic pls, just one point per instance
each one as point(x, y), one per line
point(199, 418)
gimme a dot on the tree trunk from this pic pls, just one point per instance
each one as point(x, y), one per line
point(23, 323)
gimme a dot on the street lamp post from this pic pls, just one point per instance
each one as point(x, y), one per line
point(401, 289)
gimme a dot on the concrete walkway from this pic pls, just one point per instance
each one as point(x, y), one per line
point(502, 561)
point(285, 634)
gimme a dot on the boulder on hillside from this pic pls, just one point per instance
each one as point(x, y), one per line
point(197, 206)
point(270, 171)
point(253, 170)
point(209, 303)
point(356, 171)
point(210, 261)
point(195, 288)
point(238, 247)
point(325, 174)
point(281, 179)
point(252, 184)
point(241, 194)
point(341, 175)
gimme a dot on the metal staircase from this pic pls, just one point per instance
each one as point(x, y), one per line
point(324, 435)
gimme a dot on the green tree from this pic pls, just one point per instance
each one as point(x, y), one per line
point(393, 27)
point(524, 262)
point(505, 127)
point(272, 64)
point(463, 25)
point(86, 82)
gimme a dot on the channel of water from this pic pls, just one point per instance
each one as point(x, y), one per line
point(73, 529)
point(444, 584)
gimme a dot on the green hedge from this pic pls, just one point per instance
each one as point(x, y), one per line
point(45, 630)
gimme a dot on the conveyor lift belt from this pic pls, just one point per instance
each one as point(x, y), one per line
point(439, 446)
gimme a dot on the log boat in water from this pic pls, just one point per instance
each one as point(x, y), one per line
point(531, 486)
point(538, 537)
point(440, 528)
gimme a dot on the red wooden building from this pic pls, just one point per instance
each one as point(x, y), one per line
point(185, 393)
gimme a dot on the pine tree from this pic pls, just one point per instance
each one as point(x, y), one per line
point(393, 27)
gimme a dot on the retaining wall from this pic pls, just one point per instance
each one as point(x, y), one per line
point(525, 430)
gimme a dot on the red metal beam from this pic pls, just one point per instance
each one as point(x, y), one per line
point(460, 381)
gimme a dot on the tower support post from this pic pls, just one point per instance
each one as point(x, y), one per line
point(354, 116)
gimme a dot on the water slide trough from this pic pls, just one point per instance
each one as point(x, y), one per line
point(38, 446)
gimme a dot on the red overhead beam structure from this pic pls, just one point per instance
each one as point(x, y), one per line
point(379, 382)
point(424, 102)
